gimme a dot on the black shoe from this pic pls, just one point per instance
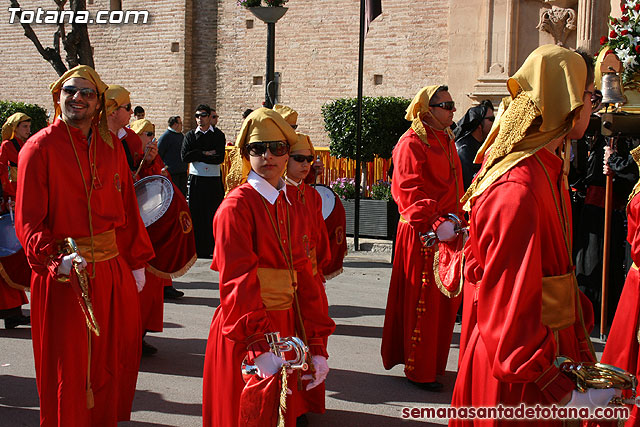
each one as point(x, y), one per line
point(148, 349)
point(172, 293)
point(14, 321)
point(302, 421)
point(433, 386)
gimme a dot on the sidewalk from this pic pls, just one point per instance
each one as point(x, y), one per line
point(371, 245)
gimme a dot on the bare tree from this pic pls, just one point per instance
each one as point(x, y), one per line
point(76, 43)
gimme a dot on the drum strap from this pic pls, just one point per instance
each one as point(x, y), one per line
point(17, 147)
point(127, 152)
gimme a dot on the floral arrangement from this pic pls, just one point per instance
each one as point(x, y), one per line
point(256, 3)
point(624, 38)
point(345, 188)
point(381, 190)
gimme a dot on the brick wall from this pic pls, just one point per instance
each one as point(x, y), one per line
point(218, 56)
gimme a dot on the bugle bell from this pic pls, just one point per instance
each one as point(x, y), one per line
point(280, 347)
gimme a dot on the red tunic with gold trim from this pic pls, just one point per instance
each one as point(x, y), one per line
point(516, 238)
point(16, 270)
point(308, 206)
point(419, 319)
point(52, 205)
point(247, 247)
point(621, 349)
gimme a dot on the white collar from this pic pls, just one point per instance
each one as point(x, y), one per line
point(172, 130)
point(199, 129)
point(121, 133)
point(292, 182)
point(267, 190)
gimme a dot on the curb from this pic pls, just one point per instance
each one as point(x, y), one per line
point(371, 245)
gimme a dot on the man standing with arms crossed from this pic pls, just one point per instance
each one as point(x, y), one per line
point(203, 148)
point(73, 181)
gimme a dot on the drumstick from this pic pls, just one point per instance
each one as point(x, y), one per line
point(146, 150)
point(10, 210)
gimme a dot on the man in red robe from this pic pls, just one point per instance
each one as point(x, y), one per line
point(73, 181)
point(426, 185)
point(266, 282)
point(528, 309)
point(14, 269)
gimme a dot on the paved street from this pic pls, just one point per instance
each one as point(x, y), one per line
point(359, 391)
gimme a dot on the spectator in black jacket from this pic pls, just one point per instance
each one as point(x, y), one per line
point(203, 149)
point(470, 132)
point(169, 149)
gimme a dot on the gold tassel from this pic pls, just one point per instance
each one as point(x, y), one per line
point(282, 410)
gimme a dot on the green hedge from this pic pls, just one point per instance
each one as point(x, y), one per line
point(37, 113)
point(382, 125)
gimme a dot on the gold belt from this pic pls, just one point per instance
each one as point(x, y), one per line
point(105, 246)
point(276, 288)
point(559, 301)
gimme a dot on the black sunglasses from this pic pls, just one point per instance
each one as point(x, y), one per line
point(149, 133)
point(491, 118)
point(300, 158)
point(447, 105)
point(126, 107)
point(85, 92)
point(202, 115)
point(277, 148)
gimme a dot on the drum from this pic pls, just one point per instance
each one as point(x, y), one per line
point(336, 222)
point(14, 268)
point(165, 213)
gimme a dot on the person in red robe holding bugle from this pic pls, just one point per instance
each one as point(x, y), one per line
point(308, 204)
point(528, 307)
point(426, 185)
point(74, 182)
point(266, 282)
point(623, 341)
point(15, 273)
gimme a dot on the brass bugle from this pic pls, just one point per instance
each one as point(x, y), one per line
point(430, 238)
point(280, 346)
point(82, 287)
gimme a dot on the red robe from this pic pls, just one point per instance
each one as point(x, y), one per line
point(425, 187)
point(516, 239)
point(308, 205)
point(246, 240)
point(10, 297)
point(622, 343)
point(52, 205)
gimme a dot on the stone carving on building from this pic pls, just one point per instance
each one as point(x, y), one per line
point(559, 22)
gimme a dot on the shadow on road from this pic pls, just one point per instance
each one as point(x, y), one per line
point(22, 332)
point(349, 311)
point(152, 401)
point(366, 264)
point(211, 286)
point(368, 388)
point(187, 300)
point(359, 331)
point(357, 419)
point(182, 357)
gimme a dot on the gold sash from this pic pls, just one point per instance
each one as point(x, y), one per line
point(276, 288)
point(105, 246)
point(559, 301)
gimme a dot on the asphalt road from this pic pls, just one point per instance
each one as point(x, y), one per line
point(359, 391)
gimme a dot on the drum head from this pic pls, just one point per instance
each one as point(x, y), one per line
point(9, 243)
point(154, 195)
point(328, 200)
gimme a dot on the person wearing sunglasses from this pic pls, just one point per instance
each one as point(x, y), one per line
point(527, 308)
point(470, 132)
point(119, 111)
point(73, 181)
point(427, 186)
point(266, 282)
point(203, 148)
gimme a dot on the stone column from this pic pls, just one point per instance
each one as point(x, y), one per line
point(592, 24)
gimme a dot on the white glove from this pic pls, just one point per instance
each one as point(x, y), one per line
point(593, 398)
point(67, 263)
point(446, 231)
point(268, 364)
point(140, 278)
point(322, 369)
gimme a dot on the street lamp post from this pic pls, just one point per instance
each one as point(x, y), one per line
point(270, 15)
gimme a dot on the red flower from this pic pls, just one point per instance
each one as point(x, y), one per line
point(624, 32)
point(637, 7)
point(638, 49)
point(604, 39)
point(625, 18)
point(613, 34)
point(614, 21)
point(623, 8)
